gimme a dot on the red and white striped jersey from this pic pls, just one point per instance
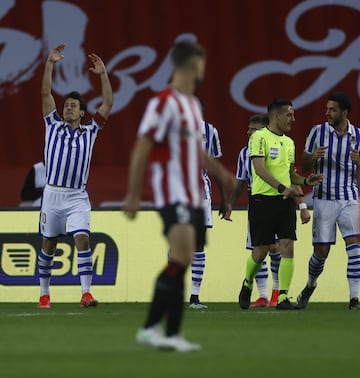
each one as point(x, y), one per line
point(173, 121)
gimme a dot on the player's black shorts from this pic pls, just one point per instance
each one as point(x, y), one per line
point(270, 216)
point(182, 214)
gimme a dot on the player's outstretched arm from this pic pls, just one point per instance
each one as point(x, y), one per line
point(48, 102)
point(106, 90)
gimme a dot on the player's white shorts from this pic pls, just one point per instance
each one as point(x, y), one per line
point(208, 213)
point(64, 211)
point(327, 214)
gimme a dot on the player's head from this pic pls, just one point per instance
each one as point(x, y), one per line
point(342, 99)
point(337, 108)
point(74, 107)
point(256, 122)
point(281, 114)
point(189, 57)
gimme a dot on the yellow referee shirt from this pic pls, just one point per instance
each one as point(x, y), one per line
point(279, 154)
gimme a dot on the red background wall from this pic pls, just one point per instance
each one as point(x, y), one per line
point(236, 34)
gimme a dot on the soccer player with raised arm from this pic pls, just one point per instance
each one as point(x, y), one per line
point(65, 205)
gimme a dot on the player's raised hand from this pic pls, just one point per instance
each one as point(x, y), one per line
point(99, 66)
point(55, 54)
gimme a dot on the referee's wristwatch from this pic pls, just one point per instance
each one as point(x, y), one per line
point(281, 188)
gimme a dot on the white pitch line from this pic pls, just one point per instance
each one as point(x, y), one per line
point(25, 314)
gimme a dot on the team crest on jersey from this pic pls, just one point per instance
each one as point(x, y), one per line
point(353, 141)
point(274, 152)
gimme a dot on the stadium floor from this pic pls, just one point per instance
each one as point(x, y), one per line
point(67, 341)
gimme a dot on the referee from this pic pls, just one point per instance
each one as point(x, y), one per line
point(272, 209)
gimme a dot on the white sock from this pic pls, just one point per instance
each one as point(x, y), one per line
point(45, 264)
point(275, 262)
point(262, 280)
point(316, 267)
point(85, 269)
point(353, 269)
point(197, 271)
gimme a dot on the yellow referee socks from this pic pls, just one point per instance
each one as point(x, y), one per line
point(286, 272)
point(252, 269)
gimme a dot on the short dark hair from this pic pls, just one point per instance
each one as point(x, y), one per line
point(342, 99)
point(258, 118)
point(183, 51)
point(277, 104)
point(76, 96)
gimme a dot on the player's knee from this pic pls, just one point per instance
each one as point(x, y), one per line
point(82, 242)
point(322, 250)
point(49, 246)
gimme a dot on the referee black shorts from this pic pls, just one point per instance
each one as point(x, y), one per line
point(270, 216)
point(183, 214)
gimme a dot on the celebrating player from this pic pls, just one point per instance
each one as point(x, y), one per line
point(68, 147)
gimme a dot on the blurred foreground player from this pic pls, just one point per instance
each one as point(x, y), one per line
point(169, 137)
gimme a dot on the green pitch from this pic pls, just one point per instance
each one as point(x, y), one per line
point(66, 341)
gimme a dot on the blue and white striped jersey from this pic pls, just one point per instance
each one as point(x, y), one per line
point(68, 152)
point(211, 140)
point(243, 171)
point(211, 143)
point(339, 171)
